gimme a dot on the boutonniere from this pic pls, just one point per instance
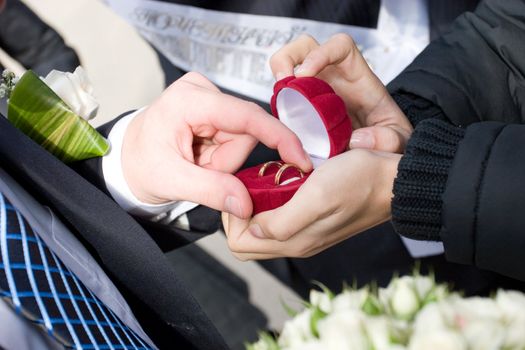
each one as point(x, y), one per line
point(53, 111)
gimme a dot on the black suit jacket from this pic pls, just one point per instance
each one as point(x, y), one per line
point(123, 247)
point(33, 43)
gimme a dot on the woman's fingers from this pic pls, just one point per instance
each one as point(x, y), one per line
point(284, 61)
point(380, 138)
point(338, 49)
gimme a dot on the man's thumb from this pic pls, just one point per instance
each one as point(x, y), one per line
point(217, 190)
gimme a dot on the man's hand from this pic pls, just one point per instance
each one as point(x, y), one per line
point(188, 142)
point(380, 124)
point(346, 195)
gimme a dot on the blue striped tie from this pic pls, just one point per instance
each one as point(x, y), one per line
point(43, 290)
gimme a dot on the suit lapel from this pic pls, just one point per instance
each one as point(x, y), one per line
point(121, 245)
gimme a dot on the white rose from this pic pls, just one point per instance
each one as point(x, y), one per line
point(437, 340)
point(402, 297)
point(261, 345)
point(313, 344)
point(297, 330)
point(515, 336)
point(423, 286)
point(349, 300)
point(475, 309)
point(430, 318)
point(511, 304)
point(397, 347)
point(378, 330)
point(75, 90)
point(441, 292)
point(343, 330)
point(400, 330)
point(448, 310)
point(484, 334)
point(321, 300)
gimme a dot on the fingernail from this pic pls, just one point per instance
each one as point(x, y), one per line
point(233, 206)
point(256, 231)
point(362, 139)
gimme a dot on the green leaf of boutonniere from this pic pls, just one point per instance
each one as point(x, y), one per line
point(38, 112)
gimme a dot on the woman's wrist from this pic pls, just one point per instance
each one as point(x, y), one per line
point(388, 174)
point(422, 177)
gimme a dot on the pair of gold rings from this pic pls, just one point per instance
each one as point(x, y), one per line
point(282, 168)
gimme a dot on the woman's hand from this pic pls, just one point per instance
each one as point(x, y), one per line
point(346, 195)
point(380, 124)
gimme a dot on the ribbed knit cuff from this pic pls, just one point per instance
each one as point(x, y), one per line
point(421, 179)
point(417, 108)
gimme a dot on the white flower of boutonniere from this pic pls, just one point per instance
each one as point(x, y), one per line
point(75, 90)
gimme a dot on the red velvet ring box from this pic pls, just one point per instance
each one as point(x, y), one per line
point(310, 108)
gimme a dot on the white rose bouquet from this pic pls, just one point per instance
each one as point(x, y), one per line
point(53, 111)
point(413, 312)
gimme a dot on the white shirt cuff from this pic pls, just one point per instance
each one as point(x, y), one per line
point(421, 249)
point(118, 187)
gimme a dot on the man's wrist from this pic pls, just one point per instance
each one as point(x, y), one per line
point(131, 159)
point(116, 181)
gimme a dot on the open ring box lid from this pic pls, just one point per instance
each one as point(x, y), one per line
point(311, 109)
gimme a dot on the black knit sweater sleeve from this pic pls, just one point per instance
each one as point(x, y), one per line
point(423, 170)
point(417, 108)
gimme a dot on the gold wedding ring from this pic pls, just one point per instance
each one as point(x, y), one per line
point(282, 169)
point(268, 164)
